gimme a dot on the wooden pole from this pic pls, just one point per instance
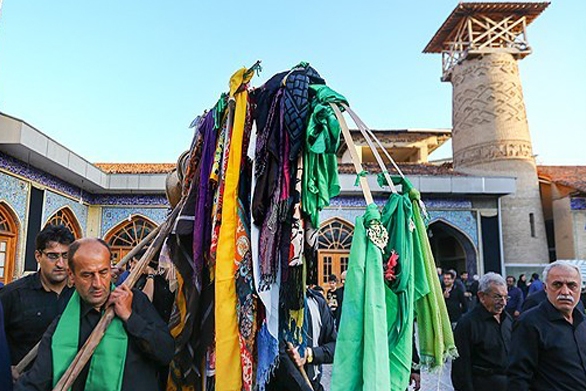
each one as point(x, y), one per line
point(291, 348)
point(139, 246)
point(32, 354)
point(26, 360)
point(86, 351)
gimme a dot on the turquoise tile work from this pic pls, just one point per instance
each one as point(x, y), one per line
point(54, 202)
point(14, 192)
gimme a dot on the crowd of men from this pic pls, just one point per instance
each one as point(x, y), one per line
point(510, 343)
point(57, 308)
point(509, 335)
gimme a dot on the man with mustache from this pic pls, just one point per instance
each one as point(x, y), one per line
point(135, 346)
point(548, 349)
point(483, 338)
point(31, 303)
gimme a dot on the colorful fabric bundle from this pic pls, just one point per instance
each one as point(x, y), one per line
point(261, 167)
point(243, 238)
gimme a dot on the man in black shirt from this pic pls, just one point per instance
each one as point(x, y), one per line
point(456, 302)
point(483, 338)
point(149, 344)
point(33, 302)
point(548, 350)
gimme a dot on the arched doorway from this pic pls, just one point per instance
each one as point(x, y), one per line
point(452, 249)
point(8, 240)
point(126, 235)
point(335, 239)
point(65, 217)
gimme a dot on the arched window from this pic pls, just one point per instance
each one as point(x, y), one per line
point(335, 239)
point(126, 235)
point(65, 216)
point(8, 240)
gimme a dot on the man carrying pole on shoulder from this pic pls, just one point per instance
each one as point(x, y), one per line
point(134, 346)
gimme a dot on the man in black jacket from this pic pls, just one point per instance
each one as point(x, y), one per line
point(456, 302)
point(548, 350)
point(31, 303)
point(321, 335)
point(483, 339)
point(138, 340)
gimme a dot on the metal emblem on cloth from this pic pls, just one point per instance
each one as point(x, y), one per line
point(378, 234)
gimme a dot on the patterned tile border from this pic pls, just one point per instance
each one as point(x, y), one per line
point(22, 169)
point(461, 219)
point(578, 203)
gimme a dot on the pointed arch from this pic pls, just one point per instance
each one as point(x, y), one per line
point(452, 247)
point(335, 234)
point(8, 240)
point(334, 241)
point(66, 217)
point(127, 234)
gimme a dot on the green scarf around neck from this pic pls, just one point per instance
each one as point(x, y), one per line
point(107, 364)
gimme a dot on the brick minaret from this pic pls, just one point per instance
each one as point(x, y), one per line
point(480, 44)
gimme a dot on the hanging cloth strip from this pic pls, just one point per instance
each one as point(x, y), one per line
point(228, 365)
point(397, 218)
point(267, 338)
point(362, 355)
point(436, 340)
point(320, 176)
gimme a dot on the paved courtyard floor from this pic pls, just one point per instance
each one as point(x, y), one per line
point(429, 381)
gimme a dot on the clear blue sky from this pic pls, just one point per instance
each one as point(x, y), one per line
point(120, 81)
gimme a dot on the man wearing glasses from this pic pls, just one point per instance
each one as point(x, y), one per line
point(32, 302)
point(548, 350)
point(483, 338)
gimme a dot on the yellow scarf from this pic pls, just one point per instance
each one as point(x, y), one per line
point(228, 367)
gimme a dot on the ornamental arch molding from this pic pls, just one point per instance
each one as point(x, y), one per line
point(66, 217)
point(124, 236)
point(9, 229)
point(334, 241)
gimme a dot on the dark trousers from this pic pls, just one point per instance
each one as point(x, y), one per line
point(490, 383)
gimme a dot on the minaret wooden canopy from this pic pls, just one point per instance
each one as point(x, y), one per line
point(480, 28)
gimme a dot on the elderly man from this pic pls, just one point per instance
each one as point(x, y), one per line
point(33, 302)
point(483, 339)
point(548, 350)
point(135, 345)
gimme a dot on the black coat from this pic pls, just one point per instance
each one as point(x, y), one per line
point(287, 377)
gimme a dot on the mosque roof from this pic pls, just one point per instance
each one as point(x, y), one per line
point(571, 176)
point(135, 168)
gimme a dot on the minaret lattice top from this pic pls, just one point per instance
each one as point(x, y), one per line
point(481, 28)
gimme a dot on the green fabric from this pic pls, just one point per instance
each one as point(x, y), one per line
point(107, 364)
point(322, 139)
point(361, 357)
point(361, 174)
point(436, 340)
point(397, 217)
